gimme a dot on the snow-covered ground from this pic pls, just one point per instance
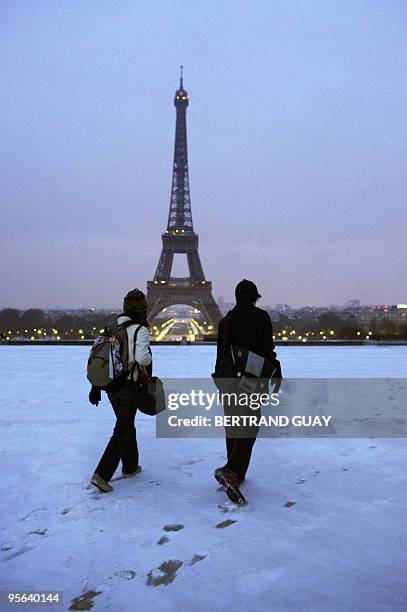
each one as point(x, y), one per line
point(325, 528)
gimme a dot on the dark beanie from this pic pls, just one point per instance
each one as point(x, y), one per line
point(134, 302)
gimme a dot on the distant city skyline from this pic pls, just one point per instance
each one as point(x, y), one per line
point(223, 303)
point(297, 145)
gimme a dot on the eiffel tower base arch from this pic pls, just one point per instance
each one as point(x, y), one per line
point(195, 294)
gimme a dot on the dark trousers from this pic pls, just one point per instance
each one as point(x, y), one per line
point(239, 451)
point(239, 440)
point(123, 443)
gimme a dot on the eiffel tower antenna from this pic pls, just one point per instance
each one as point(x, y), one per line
point(194, 290)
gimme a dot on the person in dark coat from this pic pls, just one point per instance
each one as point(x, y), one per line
point(248, 327)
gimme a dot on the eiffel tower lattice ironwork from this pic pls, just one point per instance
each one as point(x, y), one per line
point(193, 290)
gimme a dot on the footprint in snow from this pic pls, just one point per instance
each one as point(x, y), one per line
point(38, 532)
point(224, 524)
point(300, 481)
point(163, 540)
point(29, 515)
point(125, 574)
point(18, 552)
point(288, 504)
point(85, 601)
point(173, 527)
point(196, 559)
point(164, 574)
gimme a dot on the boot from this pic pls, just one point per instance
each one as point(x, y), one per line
point(133, 473)
point(230, 483)
point(101, 484)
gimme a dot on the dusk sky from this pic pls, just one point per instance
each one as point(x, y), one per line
point(297, 136)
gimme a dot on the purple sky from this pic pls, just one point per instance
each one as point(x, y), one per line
point(297, 134)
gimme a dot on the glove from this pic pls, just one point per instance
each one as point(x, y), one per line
point(95, 396)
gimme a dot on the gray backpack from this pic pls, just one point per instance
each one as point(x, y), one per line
point(108, 363)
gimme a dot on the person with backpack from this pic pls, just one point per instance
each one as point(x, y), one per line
point(249, 329)
point(128, 355)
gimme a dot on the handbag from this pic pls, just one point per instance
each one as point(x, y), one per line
point(248, 367)
point(252, 366)
point(149, 390)
point(150, 395)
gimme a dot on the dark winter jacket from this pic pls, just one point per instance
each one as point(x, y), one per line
point(246, 326)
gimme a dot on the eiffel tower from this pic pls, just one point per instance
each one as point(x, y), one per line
point(194, 290)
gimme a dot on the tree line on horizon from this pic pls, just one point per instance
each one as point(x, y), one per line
point(328, 325)
point(29, 322)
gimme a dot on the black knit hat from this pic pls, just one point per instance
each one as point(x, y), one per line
point(246, 291)
point(134, 301)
